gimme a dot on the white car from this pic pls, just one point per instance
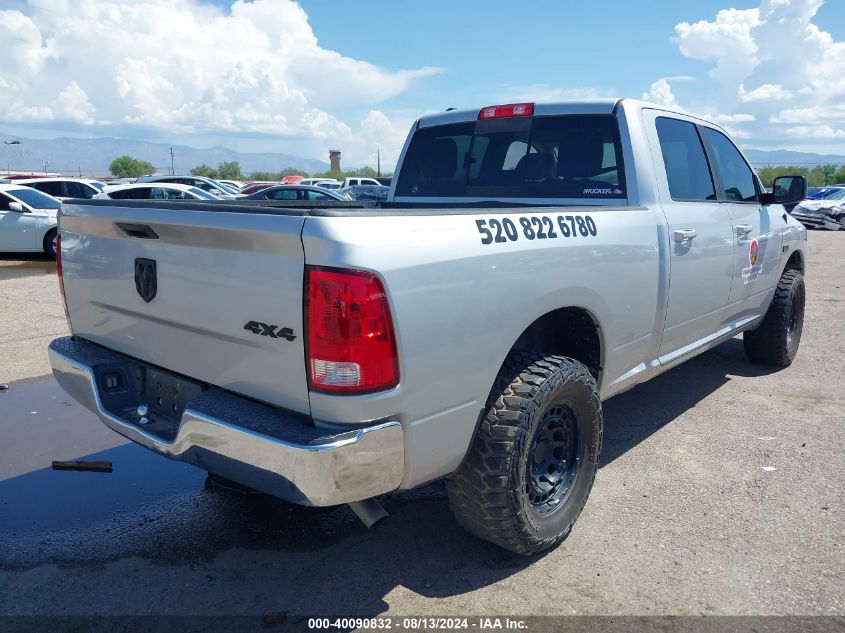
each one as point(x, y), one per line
point(206, 184)
point(28, 220)
point(326, 183)
point(64, 188)
point(237, 185)
point(154, 191)
point(355, 182)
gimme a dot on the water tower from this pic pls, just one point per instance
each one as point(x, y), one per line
point(334, 159)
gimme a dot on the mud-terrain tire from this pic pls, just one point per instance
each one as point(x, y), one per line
point(533, 460)
point(49, 243)
point(775, 341)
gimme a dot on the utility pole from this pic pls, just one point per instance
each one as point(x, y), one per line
point(378, 162)
point(172, 171)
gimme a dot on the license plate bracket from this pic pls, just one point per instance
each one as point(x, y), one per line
point(167, 395)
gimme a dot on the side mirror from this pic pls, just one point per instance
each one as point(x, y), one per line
point(16, 206)
point(786, 190)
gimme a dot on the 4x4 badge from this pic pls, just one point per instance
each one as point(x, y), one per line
point(146, 282)
point(273, 331)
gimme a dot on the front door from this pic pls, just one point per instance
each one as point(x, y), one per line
point(700, 235)
point(757, 229)
point(18, 230)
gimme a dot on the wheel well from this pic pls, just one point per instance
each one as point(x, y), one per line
point(568, 332)
point(795, 262)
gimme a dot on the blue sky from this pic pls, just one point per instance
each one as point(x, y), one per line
point(273, 75)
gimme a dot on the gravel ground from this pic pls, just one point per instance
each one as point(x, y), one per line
point(721, 491)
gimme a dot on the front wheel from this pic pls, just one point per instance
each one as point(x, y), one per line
point(533, 460)
point(50, 242)
point(775, 341)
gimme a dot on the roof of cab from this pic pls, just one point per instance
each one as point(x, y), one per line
point(591, 106)
point(581, 106)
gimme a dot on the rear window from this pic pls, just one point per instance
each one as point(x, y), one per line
point(572, 156)
point(34, 198)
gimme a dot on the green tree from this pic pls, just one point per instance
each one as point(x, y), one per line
point(264, 175)
point(828, 172)
point(769, 173)
point(367, 172)
point(204, 171)
point(128, 167)
point(229, 170)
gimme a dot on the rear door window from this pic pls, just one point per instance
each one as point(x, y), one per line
point(79, 190)
point(137, 193)
point(282, 194)
point(570, 156)
point(50, 187)
point(687, 170)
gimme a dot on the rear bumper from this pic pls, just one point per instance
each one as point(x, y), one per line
point(276, 451)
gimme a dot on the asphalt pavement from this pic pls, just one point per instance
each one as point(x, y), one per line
point(721, 492)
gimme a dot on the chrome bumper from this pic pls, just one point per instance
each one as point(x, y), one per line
point(272, 450)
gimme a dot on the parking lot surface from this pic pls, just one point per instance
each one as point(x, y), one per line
point(721, 491)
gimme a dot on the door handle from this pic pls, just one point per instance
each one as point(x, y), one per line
point(743, 229)
point(684, 235)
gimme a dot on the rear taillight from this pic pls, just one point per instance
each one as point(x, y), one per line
point(60, 275)
point(351, 341)
point(59, 265)
point(509, 110)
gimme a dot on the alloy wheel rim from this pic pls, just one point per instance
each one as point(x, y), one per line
point(553, 460)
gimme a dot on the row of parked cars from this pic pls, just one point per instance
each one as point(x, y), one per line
point(28, 206)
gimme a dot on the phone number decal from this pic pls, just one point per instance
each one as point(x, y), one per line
point(542, 227)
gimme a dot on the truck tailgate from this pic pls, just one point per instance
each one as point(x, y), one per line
point(227, 304)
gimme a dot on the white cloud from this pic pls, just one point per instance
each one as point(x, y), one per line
point(733, 118)
point(816, 132)
point(727, 40)
point(766, 92)
point(73, 104)
point(185, 66)
point(660, 92)
point(767, 58)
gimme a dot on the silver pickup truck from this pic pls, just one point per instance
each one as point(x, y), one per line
point(532, 260)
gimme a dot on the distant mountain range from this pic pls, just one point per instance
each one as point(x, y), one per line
point(761, 158)
point(92, 157)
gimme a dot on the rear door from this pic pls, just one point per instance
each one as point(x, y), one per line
point(226, 304)
point(757, 229)
point(700, 235)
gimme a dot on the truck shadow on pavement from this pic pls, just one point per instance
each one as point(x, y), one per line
point(15, 265)
point(261, 555)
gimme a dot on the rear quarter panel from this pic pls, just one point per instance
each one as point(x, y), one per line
point(459, 305)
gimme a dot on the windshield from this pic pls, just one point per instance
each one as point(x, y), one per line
point(99, 186)
point(35, 198)
point(202, 194)
point(572, 156)
point(838, 194)
point(225, 188)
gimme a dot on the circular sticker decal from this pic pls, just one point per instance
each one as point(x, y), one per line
point(753, 252)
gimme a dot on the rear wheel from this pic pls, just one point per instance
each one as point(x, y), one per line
point(533, 460)
point(50, 242)
point(776, 340)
